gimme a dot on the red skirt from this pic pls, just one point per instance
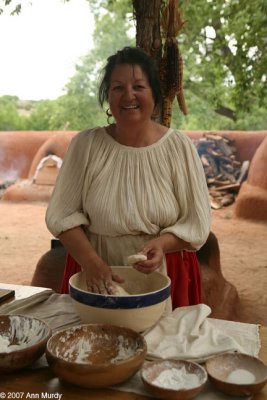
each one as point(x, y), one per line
point(182, 268)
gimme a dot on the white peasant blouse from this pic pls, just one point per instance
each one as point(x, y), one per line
point(124, 196)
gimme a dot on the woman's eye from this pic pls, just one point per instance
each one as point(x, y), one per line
point(117, 88)
point(139, 87)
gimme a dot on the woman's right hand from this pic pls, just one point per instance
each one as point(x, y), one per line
point(100, 278)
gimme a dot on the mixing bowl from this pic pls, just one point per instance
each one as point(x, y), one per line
point(237, 374)
point(22, 341)
point(95, 355)
point(139, 310)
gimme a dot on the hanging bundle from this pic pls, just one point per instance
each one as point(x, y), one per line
point(171, 62)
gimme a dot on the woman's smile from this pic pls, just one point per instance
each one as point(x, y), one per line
point(130, 95)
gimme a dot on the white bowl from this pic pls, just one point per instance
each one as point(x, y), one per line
point(138, 311)
point(22, 341)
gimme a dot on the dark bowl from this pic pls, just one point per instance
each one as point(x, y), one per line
point(237, 374)
point(95, 355)
point(22, 341)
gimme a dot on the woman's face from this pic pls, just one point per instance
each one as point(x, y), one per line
point(130, 96)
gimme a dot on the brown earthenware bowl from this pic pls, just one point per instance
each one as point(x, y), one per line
point(237, 374)
point(95, 355)
point(22, 341)
point(182, 380)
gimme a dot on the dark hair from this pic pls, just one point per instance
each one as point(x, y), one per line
point(131, 55)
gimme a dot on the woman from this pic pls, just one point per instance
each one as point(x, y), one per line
point(132, 186)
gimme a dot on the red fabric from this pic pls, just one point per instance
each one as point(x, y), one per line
point(182, 268)
point(71, 268)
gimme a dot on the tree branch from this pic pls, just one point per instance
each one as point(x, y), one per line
point(226, 112)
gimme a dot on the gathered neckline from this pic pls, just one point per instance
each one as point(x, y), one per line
point(133, 148)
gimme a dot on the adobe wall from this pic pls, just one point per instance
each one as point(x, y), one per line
point(251, 202)
point(17, 151)
point(21, 152)
point(57, 144)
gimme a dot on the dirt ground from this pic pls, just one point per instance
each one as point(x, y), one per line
point(24, 238)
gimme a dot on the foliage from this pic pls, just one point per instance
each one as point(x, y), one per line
point(118, 7)
point(10, 7)
point(223, 45)
point(82, 89)
point(10, 120)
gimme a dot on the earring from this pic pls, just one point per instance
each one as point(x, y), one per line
point(109, 115)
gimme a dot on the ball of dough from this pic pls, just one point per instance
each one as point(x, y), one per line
point(135, 258)
point(119, 290)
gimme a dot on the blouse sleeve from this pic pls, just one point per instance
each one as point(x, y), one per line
point(190, 188)
point(65, 209)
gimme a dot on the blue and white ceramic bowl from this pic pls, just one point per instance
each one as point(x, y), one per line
point(140, 310)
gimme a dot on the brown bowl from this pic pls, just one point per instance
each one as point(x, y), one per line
point(22, 341)
point(237, 374)
point(96, 355)
point(174, 379)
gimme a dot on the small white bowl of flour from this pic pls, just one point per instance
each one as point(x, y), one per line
point(237, 374)
point(174, 379)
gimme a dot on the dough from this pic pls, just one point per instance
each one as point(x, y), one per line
point(119, 290)
point(135, 258)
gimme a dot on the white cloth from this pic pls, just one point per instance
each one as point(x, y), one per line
point(57, 310)
point(187, 333)
point(125, 195)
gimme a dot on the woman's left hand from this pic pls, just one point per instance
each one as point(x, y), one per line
point(154, 253)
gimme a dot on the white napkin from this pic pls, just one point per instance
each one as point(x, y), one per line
point(188, 334)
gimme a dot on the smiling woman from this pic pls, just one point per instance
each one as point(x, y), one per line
point(135, 186)
point(42, 45)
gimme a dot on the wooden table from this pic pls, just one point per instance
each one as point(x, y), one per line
point(42, 383)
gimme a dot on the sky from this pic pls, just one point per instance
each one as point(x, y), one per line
point(40, 47)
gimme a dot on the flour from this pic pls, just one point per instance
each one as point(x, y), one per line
point(124, 350)
point(240, 376)
point(119, 290)
point(175, 379)
point(81, 349)
point(22, 333)
point(75, 348)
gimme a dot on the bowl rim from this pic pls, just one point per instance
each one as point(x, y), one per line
point(102, 366)
point(42, 341)
point(174, 361)
point(123, 302)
